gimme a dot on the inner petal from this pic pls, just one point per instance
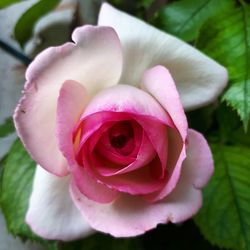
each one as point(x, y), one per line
point(145, 155)
point(120, 149)
point(140, 181)
point(120, 143)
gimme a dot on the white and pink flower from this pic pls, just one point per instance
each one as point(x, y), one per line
point(103, 119)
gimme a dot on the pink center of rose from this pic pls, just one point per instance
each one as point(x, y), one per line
point(121, 137)
point(125, 151)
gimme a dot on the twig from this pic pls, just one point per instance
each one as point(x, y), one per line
point(14, 52)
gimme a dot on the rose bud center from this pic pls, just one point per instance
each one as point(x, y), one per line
point(121, 137)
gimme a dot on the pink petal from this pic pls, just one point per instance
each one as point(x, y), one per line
point(199, 79)
point(51, 213)
point(199, 157)
point(97, 49)
point(145, 156)
point(113, 157)
point(157, 133)
point(91, 188)
point(95, 122)
point(158, 82)
point(71, 102)
point(100, 143)
point(131, 215)
point(176, 155)
point(127, 99)
point(140, 181)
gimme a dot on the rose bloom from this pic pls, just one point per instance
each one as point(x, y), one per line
point(103, 118)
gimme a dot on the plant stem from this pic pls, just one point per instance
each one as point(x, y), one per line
point(14, 52)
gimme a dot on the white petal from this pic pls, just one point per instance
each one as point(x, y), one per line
point(199, 79)
point(94, 60)
point(51, 213)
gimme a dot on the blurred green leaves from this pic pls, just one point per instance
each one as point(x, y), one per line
point(7, 127)
point(226, 38)
point(185, 18)
point(24, 26)
point(6, 3)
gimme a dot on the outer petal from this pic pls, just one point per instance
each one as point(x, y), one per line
point(71, 102)
point(51, 213)
point(131, 216)
point(95, 61)
point(199, 158)
point(199, 79)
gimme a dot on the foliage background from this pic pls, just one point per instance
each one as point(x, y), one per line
point(219, 28)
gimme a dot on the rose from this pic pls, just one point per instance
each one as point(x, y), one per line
point(106, 122)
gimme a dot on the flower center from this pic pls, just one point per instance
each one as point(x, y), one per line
point(121, 137)
point(119, 141)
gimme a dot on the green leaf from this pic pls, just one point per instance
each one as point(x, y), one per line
point(7, 127)
point(231, 131)
point(225, 216)
point(184, 18)
point(226, 38)
point(16, 185)
point(24, 26)
point(144, 3)
point(6, 3)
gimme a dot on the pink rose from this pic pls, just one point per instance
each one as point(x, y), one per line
point(106, 122)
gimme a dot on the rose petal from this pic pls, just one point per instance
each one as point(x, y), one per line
point(106, 151)
point(159, 83)
point(199, 79)
point(131, 216)
point(176, 155)
point(100, 140)
point(91, 188)
point(199, 157)
point(127, 99)
point(52, 213)
point(97, 121)
point(95, 61)
point(140, 181)
point(71, 102)
point(157, 133)
point(144, 157)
